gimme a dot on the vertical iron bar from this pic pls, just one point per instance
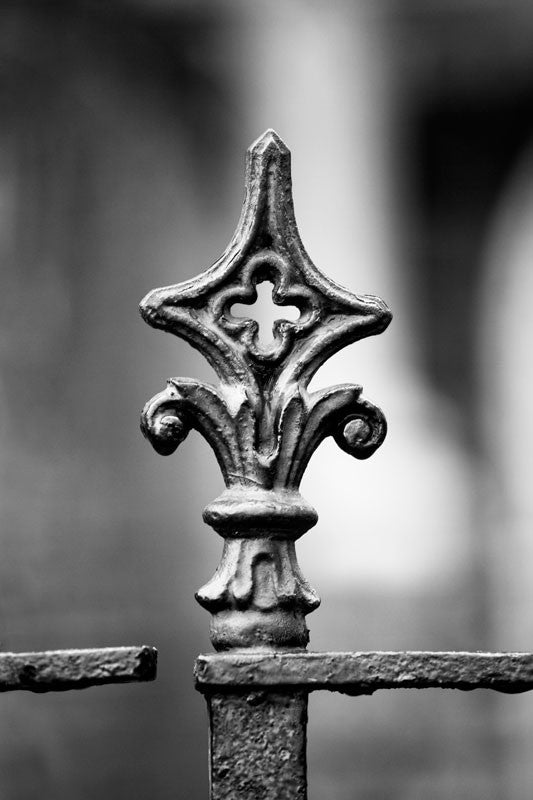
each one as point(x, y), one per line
point(258, 745)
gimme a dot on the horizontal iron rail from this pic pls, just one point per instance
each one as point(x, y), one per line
point(362, 673)
point(59, 670)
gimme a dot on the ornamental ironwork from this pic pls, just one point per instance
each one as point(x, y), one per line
point(260, 419)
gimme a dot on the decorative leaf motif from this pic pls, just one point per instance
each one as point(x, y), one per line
point(235, 582)
point(187, 404)
point(325, 410)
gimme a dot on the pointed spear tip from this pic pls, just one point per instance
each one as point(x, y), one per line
point(269, 140)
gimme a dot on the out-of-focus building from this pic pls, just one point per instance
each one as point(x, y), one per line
point(122, 138)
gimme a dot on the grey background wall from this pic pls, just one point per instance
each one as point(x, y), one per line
point(122, 136)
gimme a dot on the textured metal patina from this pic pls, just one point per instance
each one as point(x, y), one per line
point(59, 670)
point(258, 745)
point(260, 419)
point(365, 672)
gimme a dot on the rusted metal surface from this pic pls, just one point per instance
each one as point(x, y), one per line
point(258, 745)
point(260, 419)
point(365, 672)
point(59, 670)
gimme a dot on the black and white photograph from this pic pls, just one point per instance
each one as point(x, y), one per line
point(266, 335)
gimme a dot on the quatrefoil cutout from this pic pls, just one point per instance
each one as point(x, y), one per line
point(265, 314)
point(266, 268)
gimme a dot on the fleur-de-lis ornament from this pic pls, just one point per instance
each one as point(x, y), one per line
point(260, 420)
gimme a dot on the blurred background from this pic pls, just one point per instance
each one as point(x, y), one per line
point(123, 127)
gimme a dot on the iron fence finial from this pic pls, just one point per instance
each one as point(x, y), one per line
point(260, 420)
